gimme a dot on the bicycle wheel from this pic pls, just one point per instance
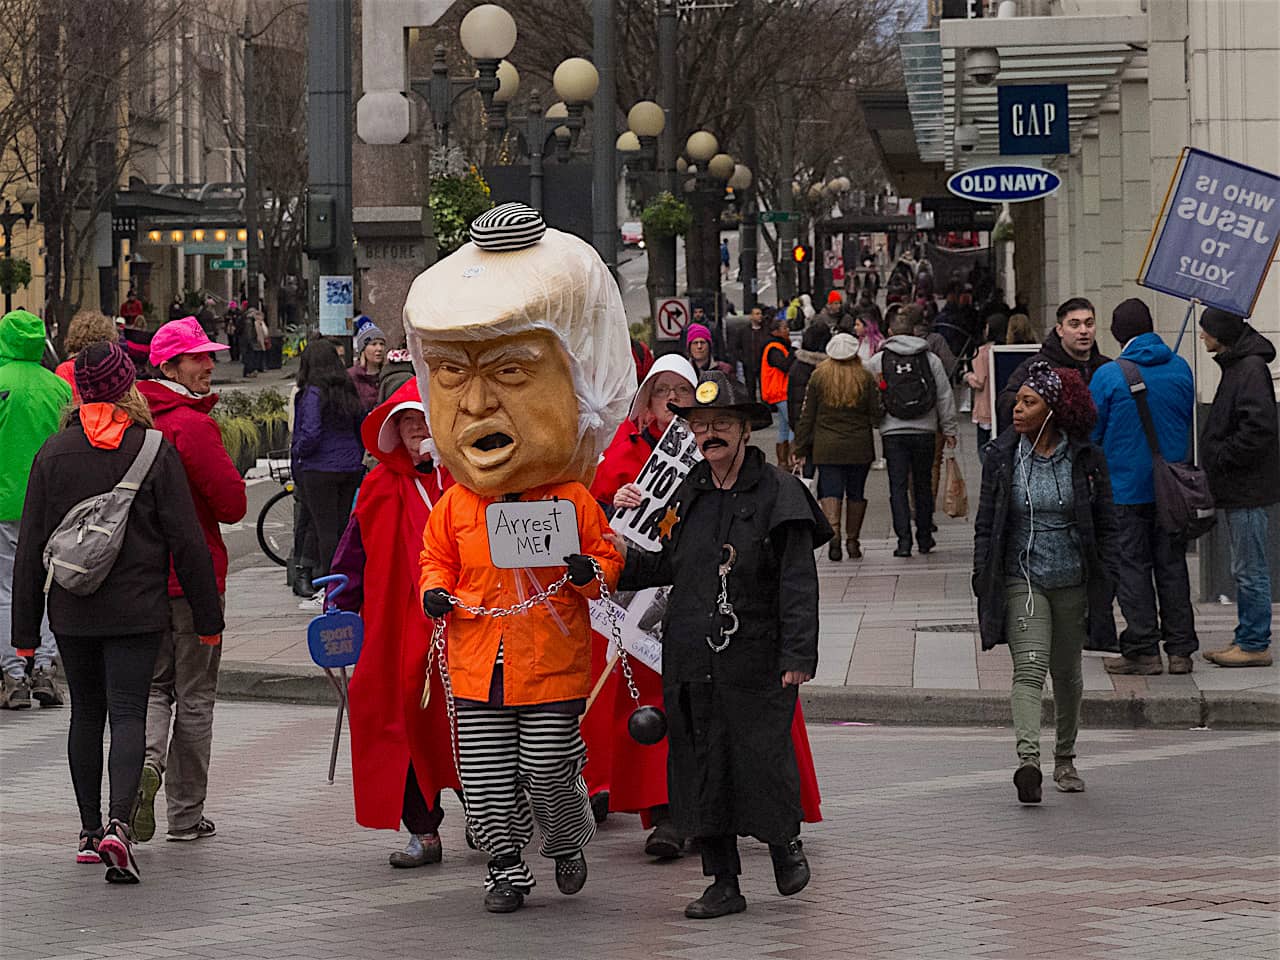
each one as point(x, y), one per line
point(275, 527)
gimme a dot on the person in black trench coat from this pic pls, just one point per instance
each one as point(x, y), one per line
point(730, 680)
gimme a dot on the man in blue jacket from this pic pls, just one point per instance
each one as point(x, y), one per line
point(1154, 572)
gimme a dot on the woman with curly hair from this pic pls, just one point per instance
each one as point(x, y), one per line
point(1044, 544)
point(87, 327)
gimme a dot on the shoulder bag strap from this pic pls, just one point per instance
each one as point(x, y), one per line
point(142, 463)
point(1138, 390)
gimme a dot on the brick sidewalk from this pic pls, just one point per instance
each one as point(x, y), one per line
point(924, 853)
point(886, 623)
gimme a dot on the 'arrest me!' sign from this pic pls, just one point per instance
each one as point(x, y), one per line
point(531, 533)
point(1216, 234)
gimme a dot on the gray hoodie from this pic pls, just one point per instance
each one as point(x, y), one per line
point(942, 418)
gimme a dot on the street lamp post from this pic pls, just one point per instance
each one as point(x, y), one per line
point(9, 219)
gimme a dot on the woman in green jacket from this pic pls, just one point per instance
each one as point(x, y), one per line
point(836, 432)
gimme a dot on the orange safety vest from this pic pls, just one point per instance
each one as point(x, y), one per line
point(546, 651)
point(773, 382)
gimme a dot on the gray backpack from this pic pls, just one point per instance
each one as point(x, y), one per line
point(83, 548)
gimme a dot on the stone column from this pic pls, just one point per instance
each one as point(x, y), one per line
point(1052, 253)
point(1136, 194)
point(1091, 196)
point(1111, 227)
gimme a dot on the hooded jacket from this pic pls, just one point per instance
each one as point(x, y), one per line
point(942, 418)
point(31, 402)
point(216, 486)
point(1053, 353)
point(1239, 447)
point(1170, 396)
point(133, 599)
point(378, 552)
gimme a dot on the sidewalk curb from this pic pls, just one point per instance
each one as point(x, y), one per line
point(1222, 709)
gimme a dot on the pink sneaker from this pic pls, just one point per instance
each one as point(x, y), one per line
point(87, 851)
point(116, 850)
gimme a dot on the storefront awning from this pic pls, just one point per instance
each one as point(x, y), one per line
point(1088, 53)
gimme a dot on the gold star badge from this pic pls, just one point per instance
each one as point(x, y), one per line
point(667, 523)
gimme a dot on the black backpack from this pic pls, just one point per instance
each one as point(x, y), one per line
point(908, 386)
point(1184, 505)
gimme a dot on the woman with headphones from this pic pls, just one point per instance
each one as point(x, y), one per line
point(1044, 544)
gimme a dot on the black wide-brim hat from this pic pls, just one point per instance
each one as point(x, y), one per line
point(715, 391)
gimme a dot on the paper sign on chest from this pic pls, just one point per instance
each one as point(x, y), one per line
point(534, 533)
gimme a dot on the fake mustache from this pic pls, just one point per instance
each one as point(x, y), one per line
point(712, 443)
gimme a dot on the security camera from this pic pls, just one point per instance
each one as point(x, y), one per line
point(967, 137)
point(982, 65)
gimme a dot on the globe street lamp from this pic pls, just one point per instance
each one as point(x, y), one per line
point(27, 196)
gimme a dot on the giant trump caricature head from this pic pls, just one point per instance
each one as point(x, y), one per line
point(521, 345)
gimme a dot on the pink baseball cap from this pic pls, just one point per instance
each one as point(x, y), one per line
point(178, 337)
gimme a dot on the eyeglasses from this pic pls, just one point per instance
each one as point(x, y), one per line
point(681, 390)
point(719, 425)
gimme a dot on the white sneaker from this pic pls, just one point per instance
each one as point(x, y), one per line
point(878, 464)
point(314, 602)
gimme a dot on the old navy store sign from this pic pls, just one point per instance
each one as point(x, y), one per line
point(1003, 183)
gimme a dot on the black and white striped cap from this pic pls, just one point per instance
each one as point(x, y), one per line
point(508, 226)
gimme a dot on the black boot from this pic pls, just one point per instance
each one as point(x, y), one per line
point(719, 900)
point(503, 897)
point(665, 843)
point(302, 581)
point(790, 867)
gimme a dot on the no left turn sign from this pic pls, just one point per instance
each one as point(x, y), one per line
point(673, 315)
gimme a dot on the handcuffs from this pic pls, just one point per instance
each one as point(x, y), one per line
point(728, 619)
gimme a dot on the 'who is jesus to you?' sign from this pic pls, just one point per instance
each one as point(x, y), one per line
point(1217, 233)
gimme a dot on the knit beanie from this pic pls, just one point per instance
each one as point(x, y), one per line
point(834, 297)
point(366, 335)
point(104, 373)
point(696, 331)
point(1224, 327)
point(1130, 319)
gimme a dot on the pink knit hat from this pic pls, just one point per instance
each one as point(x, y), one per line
point(178, 337)
point(696, 331)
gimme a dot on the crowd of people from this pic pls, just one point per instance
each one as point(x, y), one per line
point(532, 720)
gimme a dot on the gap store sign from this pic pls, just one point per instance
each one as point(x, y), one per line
point(1033, 119)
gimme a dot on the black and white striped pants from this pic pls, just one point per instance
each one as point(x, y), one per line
point(519, 767)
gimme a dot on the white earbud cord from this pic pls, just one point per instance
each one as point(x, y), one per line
point(1024, 560)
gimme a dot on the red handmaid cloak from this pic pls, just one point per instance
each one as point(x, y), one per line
point(635, 776)
point(388, 726)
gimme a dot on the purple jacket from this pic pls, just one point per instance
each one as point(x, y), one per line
point(321, 440)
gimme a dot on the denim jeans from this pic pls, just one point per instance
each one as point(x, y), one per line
point(909, 457)
point(1155, 569)
point(12, 664)
point(1247, 527)
point(785, 434)
point(843, 481)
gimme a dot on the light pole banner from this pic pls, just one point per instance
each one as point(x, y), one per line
point(1216, 235)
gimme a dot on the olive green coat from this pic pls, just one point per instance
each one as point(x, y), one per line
point(833, 435)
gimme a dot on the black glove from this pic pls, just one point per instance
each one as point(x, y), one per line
point(436, 603)
point(582, 569)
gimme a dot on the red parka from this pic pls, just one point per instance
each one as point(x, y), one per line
point(379, 554)
point(216, 485)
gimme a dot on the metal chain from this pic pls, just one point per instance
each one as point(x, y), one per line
point(437, 658)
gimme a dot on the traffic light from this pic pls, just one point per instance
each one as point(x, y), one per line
point(800, 256)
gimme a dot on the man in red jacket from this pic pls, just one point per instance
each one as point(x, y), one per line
point(186, 673)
